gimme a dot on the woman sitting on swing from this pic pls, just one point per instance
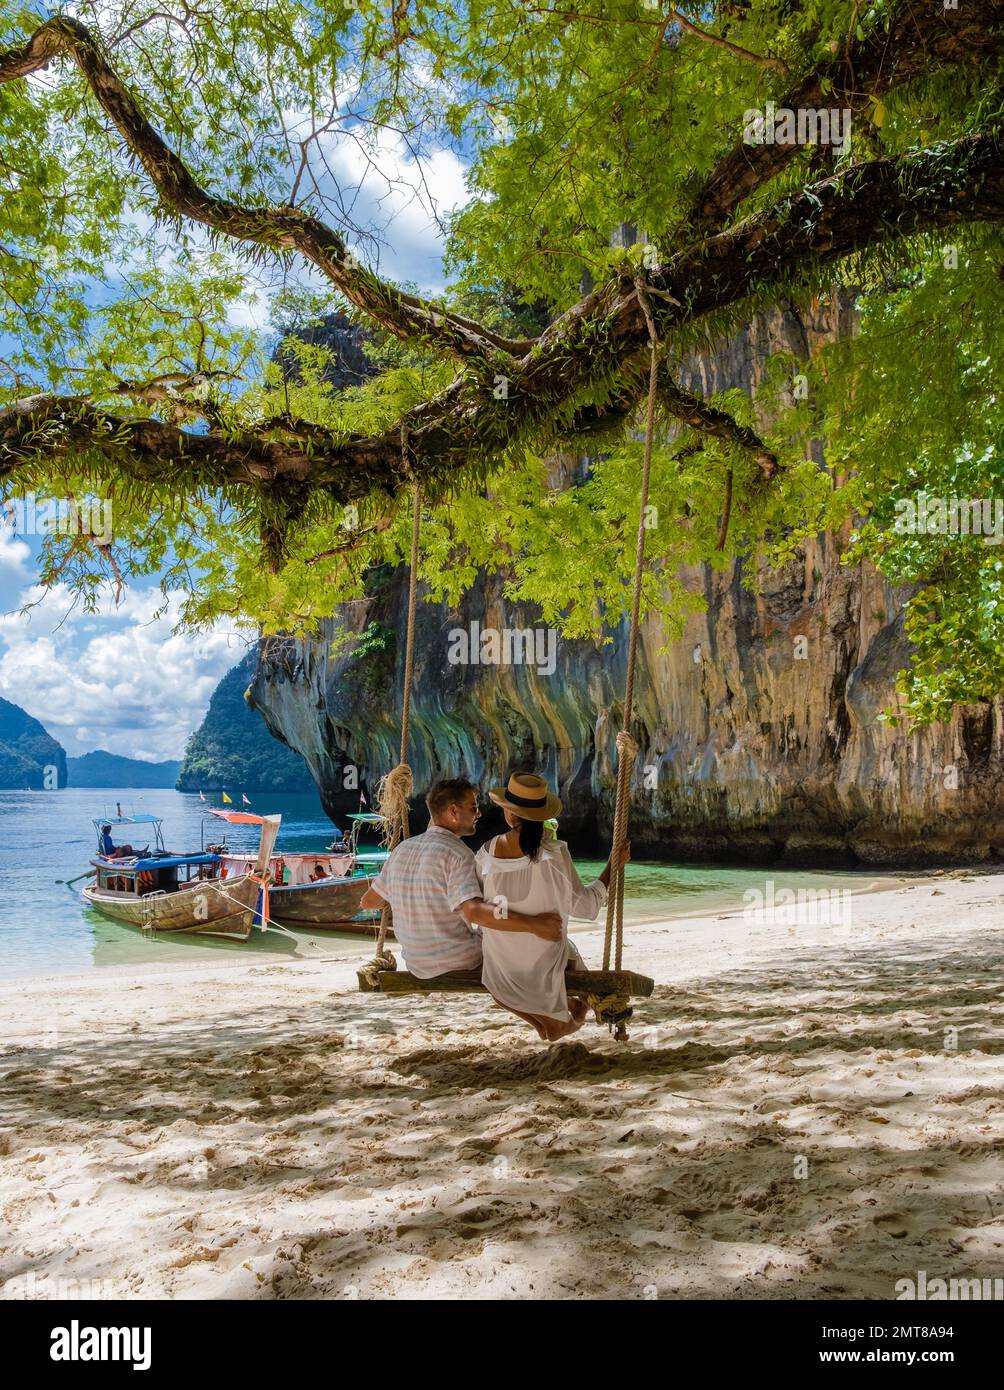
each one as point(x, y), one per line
point(528, 872)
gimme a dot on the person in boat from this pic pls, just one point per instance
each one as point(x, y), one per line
point(529, 869)
point(109, 849)
point(431, 883)
point(319, 873)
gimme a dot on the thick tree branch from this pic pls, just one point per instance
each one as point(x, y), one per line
point(690, 409)
point(277, 228)
point(797, 238)
point(922, 37)
point(867, 204)
point(718, 424)
point(157, 452)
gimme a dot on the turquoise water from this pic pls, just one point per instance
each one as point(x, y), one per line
point(46, 929)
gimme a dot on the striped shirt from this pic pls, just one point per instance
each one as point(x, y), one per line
point(425, 880)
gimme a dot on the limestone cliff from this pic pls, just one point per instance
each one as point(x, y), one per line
point(759, 730)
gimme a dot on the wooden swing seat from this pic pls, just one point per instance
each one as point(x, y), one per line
point(598, 983)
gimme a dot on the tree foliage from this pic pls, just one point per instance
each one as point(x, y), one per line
point(158, 161)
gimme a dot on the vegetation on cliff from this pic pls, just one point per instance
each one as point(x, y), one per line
point(234, 751)
point(29, 757)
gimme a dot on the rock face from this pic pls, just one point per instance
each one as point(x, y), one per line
point(345, 340)
point(759, 730)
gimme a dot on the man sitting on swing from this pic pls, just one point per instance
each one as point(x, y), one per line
point(432, 885)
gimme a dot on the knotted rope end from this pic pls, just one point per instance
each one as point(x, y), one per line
point(393, 801)
point(368, 975)
point(613, 1012)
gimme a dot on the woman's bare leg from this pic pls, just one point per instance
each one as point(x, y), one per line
point(551, 1029)
point(578, 1008)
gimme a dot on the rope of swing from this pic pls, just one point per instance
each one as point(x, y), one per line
point(614, 1009)
point(394, 792)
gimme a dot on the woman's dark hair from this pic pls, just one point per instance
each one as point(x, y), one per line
point(531, 836)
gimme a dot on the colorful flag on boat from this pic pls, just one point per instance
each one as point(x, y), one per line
point(245, 800)
point(362, 798)
point(227, 801)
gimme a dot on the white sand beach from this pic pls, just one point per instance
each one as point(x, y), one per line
point(794, 1117)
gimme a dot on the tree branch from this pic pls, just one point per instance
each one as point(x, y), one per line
point(277, 228)
point(774, 64)
point(354, 540)
point(922, 37)
point(465, 425)
point(155, 452)
point(399, 29)
point(183, 393)
point(690, 409)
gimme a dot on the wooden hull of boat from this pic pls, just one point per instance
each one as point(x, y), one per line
point(322, 905)
point(207, 908)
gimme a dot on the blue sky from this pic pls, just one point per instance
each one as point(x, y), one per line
point(122, 680)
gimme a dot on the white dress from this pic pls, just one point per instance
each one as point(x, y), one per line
point(519, 968)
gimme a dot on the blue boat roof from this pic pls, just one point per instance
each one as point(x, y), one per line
point(370, 817)
point(130, 820)
point(169, 861)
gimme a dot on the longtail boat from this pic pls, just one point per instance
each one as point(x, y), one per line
point(367, 858)
point(160, 891)
point(316, 890)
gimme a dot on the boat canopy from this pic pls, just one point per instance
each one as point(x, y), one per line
point(296, 868)
point(237, 817)
point(130, 820)
point(248, 818)
point(157, 822)
point(170, 861)
point(367, 817)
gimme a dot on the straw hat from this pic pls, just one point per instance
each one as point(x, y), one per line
point(527, 796)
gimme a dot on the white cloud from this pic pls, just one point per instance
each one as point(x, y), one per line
point(119, 679)
point(14, 565)
point(13, 552)
point(403, 198)
point(251, 310)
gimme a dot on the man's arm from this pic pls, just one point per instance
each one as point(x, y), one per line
point(478, 913)
point(372, 898)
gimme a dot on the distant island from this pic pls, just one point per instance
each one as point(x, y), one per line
point(233, 749)
point(103, 769)
point(30, 758)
